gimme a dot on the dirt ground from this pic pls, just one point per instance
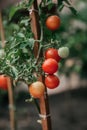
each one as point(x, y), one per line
point(68, 112)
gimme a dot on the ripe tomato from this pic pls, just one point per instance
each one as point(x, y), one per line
point(53, 22)
point(52, 53)
point(52, 81)
point(3, 82)
point(37, 89)
point(50, 66)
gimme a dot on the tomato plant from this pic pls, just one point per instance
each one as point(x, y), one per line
point(50, 66)
point(53, 22)
point(37, 89)
point(19, 61)
point(52, 53)
point(52, 81)
point(3, 82)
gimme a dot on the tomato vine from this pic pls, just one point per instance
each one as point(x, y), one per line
point(19, 61)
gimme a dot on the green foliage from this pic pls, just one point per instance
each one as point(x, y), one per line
point(73, 34)
point(19, 61)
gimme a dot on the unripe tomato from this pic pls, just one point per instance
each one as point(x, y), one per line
point(52, 53)
point(50, 66)
point(3, 82)
point(63, 52)
point(37, 89)
point(52, 81)
point(53, 22)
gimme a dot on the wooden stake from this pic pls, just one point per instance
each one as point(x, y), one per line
point(11, 104)
point(44, 105)
point(2, 32)
point(10, 93)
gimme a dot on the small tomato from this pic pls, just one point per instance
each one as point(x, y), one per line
point(52, 81)
point(3, 82)
point(53, 22)
point(50, 66)
point(37, 89)
point(52, 53)
point(63, 52)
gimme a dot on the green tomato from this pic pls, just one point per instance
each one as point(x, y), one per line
point(63, 52)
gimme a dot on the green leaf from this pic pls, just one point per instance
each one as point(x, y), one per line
point(50, 6)
point(31, 43)
point(13, 10)
point(25, 22)
point(21, 35)
point(14, 71)
point(30, 3)
point(73, 10)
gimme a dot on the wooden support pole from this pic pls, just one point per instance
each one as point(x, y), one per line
point(11, 105)
point(44, 105)
point(2, 32)
point(10, 93)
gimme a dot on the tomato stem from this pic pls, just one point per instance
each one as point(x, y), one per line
point(37, 105)
point(35, 102)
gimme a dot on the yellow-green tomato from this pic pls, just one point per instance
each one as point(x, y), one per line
point(63, 52)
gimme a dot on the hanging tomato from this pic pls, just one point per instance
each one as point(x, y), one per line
point(3, 82)
point(52, 53)
point(37, 89)
point(52, 81)
point(50, 66)
point(53, 22)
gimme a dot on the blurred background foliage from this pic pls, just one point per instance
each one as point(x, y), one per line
point(73, 33)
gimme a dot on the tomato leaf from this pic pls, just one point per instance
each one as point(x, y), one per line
point(13, 10)
point(21, 35)
point(31, 43)
point(73, 10)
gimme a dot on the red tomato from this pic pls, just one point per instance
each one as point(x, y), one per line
point(52, 53)
point(37, 89)
point(50, 66)
point(52, 81)
point(3, 82)
point(53, 22)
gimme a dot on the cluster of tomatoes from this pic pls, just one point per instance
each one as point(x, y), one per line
point(50, 66)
